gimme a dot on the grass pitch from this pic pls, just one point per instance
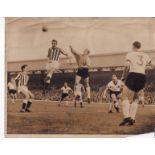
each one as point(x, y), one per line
point(47, 118)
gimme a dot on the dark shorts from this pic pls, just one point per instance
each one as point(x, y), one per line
point(117, 93)
point(12, 91)
point(135, 81)
point(64, 95)
point(83, 72)
point(77, 97)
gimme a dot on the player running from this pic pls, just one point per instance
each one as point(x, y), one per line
point(78, 91)
point(65, 93)
point(23, 79)
point(114, 88)
point(12, 87)
point(136, 62)
point(83, 62)
point(52, 65)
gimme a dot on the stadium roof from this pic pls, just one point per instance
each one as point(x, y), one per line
point(97, 61)
point(25, 39)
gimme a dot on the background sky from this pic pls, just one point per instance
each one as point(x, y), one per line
point(26, 41)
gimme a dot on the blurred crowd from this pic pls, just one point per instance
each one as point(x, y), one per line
point(98, 81)
point(96, 95)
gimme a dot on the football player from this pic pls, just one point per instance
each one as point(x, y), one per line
point(83, 62)
point(65, 93)
point(136, 62)
point(114, 88)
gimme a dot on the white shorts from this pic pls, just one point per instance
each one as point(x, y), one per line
point(78, 96)
point(22, 89)
point(53, 65)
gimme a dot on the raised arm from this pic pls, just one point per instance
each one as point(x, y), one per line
point(66, 54)
point(73, 51)
point(17, 77)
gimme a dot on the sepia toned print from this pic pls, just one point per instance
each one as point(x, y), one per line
point(80, 76)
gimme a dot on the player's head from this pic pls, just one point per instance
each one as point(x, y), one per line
point(12, 79)
point(54, 43)
point(86, 52)
point(114, 77)
point(136, 45)
point(24, 68)
point(65, 84)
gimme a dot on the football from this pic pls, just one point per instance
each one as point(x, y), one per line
point(44, 29)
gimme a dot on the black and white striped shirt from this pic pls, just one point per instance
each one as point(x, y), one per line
point(54, 53)
point(22, 79)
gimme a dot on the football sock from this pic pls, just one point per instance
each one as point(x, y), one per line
point(110, 106)
point(88, 92)
point(66, 102)
point(133, 109)
point(29, 103)
point(24, 104)
point(126, 108)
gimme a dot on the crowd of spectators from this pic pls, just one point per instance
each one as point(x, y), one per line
point(98, 81)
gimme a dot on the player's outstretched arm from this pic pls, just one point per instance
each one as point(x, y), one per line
point(66, 54)
point(74, 52)
point(17, 77)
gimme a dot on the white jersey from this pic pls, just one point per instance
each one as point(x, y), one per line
point(78, 89)
point(115, 86)
point(12, 86)
point(138, 61)
point(66, 90)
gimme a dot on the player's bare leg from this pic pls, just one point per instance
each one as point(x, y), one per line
point(15, 96)
point(143, 103)
point(75, 101)
point(81, 105)
point(12, 98)
point(66, 101)
point(47, 80)
point(86, 81)
point(59, 104)
point(115, 102)
point(77, 82)
point(81, 102)
point(77, 79)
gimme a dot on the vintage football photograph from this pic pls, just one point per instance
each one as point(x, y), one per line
point(79, 76)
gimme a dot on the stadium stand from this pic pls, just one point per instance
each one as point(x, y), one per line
point(99, 77)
